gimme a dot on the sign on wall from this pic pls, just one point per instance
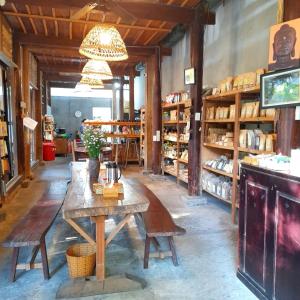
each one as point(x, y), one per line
point(284, 45)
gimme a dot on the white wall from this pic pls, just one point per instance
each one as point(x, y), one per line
point(172, 67)
point(139, 90)
point(239, 41)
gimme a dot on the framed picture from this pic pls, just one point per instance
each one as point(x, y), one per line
point(284, 45)
point(189, 76)
point(280, 89)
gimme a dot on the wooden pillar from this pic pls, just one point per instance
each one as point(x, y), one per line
point(38, 117)
point(121, 100)
point(156, 115)
point(131, 97)
point(19, 99)
point(26, 99)
point(288, 129)
point(196, 37)
point(148, 107)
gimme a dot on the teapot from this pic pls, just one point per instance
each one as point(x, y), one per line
point(113, 172)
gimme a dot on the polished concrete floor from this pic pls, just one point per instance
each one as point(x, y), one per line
point(207, 252)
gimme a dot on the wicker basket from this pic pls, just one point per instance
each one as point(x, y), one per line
point(81, 260)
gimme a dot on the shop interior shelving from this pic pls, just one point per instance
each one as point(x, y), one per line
point(179, 141)
point(211, 151)
point(48, 128)
point(142, 134)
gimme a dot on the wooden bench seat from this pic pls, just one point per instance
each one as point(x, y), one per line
point(31, 231)
point(158, 223)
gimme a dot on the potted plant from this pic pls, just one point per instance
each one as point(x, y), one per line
point(93, 139)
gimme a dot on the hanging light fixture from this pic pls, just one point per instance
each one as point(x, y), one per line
point(81, 87)
point(92, 83)
point(104, 42)
point(97, 69)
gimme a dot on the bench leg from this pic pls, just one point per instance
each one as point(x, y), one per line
point(14, 264)
point(173, 250)
point(147, 252)
point(44, 259)
point(155, 243)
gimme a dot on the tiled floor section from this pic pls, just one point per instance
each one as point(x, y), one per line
point(207, 253)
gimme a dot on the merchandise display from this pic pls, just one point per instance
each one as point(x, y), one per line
point(48, 128)
point(176, 98)
point(220, 136)
point(217, 185)
point(221, 163)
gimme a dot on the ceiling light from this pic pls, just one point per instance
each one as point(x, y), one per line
point(104, 42)
point(97, 69)
point(81, 87)
point(92, 83)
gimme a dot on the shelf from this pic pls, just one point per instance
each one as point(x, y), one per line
point(167, 140)
point(217, 146)
point(169, 122)
point(173, 105)
point(230, 96)
point(254, 151)
point(113, 123)
point(217, 196)
point(183, 180)
point(170, 172)
point(183, 122)
point(217, 171)
point(121, 135)
point(258, 119)
point(166, 156)
point(183, 142)
point(220, 121)
point(182, 161)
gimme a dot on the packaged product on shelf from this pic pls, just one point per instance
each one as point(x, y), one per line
point(249, 109)
point(173, 115)
point(232, 112)
point(221, 163)
point(270, 142)
point(255, 113)
point(243, 138)
point(262, 142)
point(270, 112)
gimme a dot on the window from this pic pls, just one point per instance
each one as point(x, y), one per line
point(103, 114)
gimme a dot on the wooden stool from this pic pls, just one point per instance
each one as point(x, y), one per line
point(128, 142)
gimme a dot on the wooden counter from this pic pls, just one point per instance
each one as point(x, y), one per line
point(269, 233)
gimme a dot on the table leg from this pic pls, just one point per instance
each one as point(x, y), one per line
point(100, 248)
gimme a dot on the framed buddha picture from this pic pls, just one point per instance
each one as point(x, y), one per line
point(284, 45)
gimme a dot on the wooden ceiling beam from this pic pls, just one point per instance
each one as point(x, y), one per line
point(71, 69)
point(85, 22)
point(149, 11)
point(54, 42)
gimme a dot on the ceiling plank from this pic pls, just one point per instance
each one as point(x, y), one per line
point(52, 18)
point(19, 18)
point(43, 20)
point(150, 11)
point(53, 42)
point(31, 20)
point(55, 22)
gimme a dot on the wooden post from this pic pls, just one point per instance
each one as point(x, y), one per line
point(114, 103)
point(38, 116)
point(131, 97)
point(156, 114)
point(121, 100)
point(197, 32)
point(288, 129)
point(26, 97)
point(100, 248)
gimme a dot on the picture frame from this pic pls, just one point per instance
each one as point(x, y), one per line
point(280, 88)
point(189, 76)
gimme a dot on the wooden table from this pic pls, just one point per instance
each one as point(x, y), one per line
point(81, 202)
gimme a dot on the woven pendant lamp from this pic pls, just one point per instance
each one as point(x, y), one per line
point(92, 83)
point(104, 42)
point(80, 87)
point(97, 69)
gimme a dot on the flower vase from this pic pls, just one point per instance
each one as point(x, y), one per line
point(94, 168)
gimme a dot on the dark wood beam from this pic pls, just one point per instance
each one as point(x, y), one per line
point(32, 40)
point(70, 85)
point(150, 11)
point(73, 69)
point(60, 78)
point(156, 114)
point(196, 44)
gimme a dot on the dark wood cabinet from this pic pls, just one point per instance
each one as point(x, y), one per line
point(269, 233)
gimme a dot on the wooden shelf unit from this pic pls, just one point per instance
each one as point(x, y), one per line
point(142, 134)
point(178, 125)
point(211, 151)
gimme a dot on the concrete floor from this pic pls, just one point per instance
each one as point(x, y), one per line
point(207, 253)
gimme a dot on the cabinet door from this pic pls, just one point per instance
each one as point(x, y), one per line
point(254, 226)
point(287, 241)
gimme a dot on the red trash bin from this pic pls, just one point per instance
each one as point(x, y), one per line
point(48, 151)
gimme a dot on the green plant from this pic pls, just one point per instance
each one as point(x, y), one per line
point(93, 139)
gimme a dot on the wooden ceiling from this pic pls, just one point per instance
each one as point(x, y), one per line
point(46, 27)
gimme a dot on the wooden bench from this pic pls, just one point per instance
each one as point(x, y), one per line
point(31, 231)
point(158, 223)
